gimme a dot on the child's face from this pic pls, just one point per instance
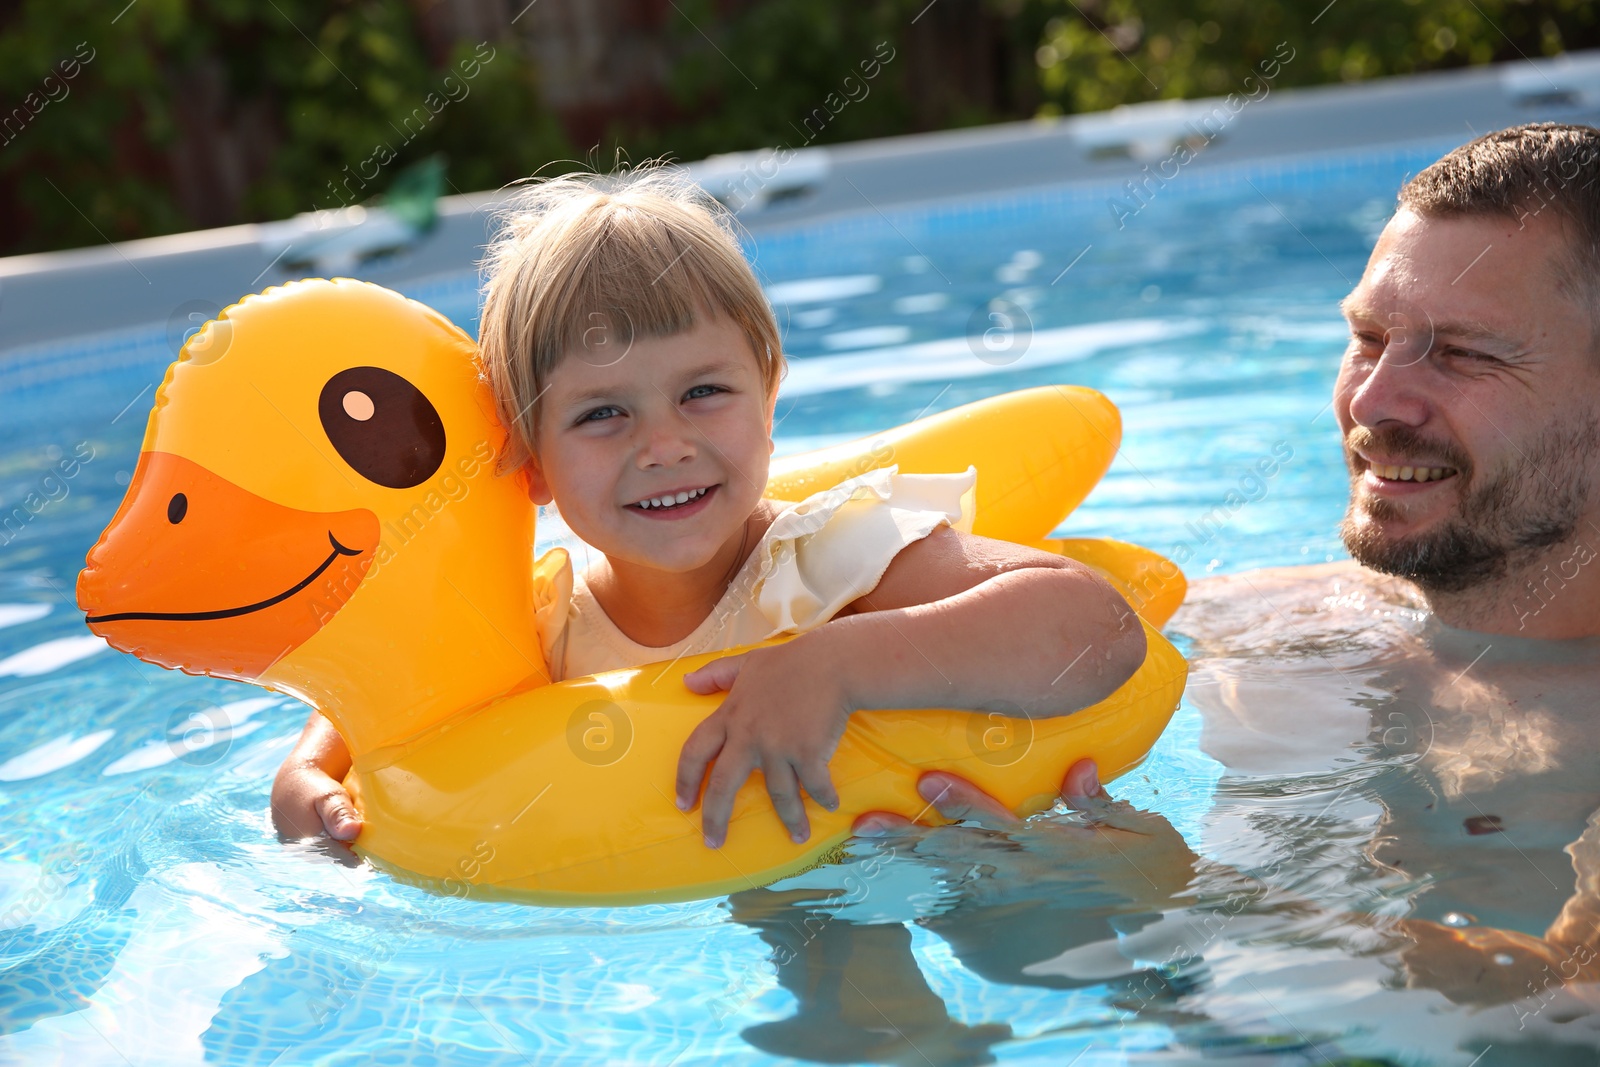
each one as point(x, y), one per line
point(685, 414)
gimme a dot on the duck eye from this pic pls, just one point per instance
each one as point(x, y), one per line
point(177, 508)
point(382, 426)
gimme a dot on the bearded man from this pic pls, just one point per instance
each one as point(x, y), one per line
point(1434, 702)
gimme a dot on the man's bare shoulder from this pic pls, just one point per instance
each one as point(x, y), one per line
point(1279, 602)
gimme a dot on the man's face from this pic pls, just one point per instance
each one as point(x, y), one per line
point(1469, 400)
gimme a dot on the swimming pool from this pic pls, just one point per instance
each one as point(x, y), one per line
point(148, 913)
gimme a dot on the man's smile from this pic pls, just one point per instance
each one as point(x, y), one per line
point(1399, 475)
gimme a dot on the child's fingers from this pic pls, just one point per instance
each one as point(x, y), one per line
point(819, 784)
point(704, 743)
point(715, 677)
point(732, 768)
point(338, 815)
point(784, 788)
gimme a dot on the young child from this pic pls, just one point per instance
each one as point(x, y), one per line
point(636, 361)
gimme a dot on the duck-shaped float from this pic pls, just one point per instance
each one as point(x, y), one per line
point(317, 510)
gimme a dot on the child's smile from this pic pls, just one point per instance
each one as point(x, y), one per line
point(674, 504)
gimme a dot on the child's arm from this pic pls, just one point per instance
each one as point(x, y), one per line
point(957, 621)
point(307, 797)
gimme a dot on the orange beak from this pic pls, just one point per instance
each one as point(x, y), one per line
point(197, 574)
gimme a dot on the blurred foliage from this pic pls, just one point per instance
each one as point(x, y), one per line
point(200, 113)
point(748, 72)
point(206, 112)
point(768, 68)
point(1095, 54)
point(749, 75)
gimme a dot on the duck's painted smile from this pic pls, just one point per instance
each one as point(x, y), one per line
point(186, 537)
point(228, 613)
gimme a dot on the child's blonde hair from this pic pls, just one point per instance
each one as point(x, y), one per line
point(586, 261)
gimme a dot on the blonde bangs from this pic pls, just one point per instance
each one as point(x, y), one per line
point(586, 264)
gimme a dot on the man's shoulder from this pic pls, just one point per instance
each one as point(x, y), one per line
point(1343, 577)
point(1281, 600)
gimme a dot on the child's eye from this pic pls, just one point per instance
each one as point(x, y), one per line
point(699, 392)
point(599, 415)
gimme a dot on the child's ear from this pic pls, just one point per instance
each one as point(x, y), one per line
point(538, 488)
point(772, 407)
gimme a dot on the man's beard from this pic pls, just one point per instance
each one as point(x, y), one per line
point(1532, 505)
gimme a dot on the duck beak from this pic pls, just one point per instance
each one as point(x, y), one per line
point(197, 574)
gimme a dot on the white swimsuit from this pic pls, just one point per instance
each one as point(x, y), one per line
point(817, 556)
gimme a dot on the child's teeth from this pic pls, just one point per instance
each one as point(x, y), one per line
point(682, 497)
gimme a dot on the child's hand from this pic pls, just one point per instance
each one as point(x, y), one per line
point(784, 716)
point(307, 797)
point(306, 801)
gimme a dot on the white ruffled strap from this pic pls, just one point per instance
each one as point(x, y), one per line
point(833, 547)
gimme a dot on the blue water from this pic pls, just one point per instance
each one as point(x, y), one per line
point(149, 914)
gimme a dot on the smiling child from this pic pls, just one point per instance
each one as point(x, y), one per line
point(636, 361)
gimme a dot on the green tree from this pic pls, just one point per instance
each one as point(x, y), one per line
point(1096, 54)
point(763, 73)
point(207, 112)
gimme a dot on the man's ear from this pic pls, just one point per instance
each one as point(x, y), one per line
point(538, 488)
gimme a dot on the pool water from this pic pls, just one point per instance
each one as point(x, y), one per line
point(148, 913)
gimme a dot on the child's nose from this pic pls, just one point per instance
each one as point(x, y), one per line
point(668, 442)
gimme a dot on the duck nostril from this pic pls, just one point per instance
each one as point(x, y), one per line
point(177, 508)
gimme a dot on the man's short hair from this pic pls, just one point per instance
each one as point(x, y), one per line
point(1520, 173)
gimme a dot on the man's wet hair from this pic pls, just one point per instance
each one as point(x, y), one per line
point(1521, 173)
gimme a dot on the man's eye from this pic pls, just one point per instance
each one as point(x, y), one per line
point(700, 391)
point(1467, 354)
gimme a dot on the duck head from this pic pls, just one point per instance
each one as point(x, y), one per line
point(317, 509)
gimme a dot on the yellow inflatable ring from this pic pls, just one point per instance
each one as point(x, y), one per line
point(316, 510)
